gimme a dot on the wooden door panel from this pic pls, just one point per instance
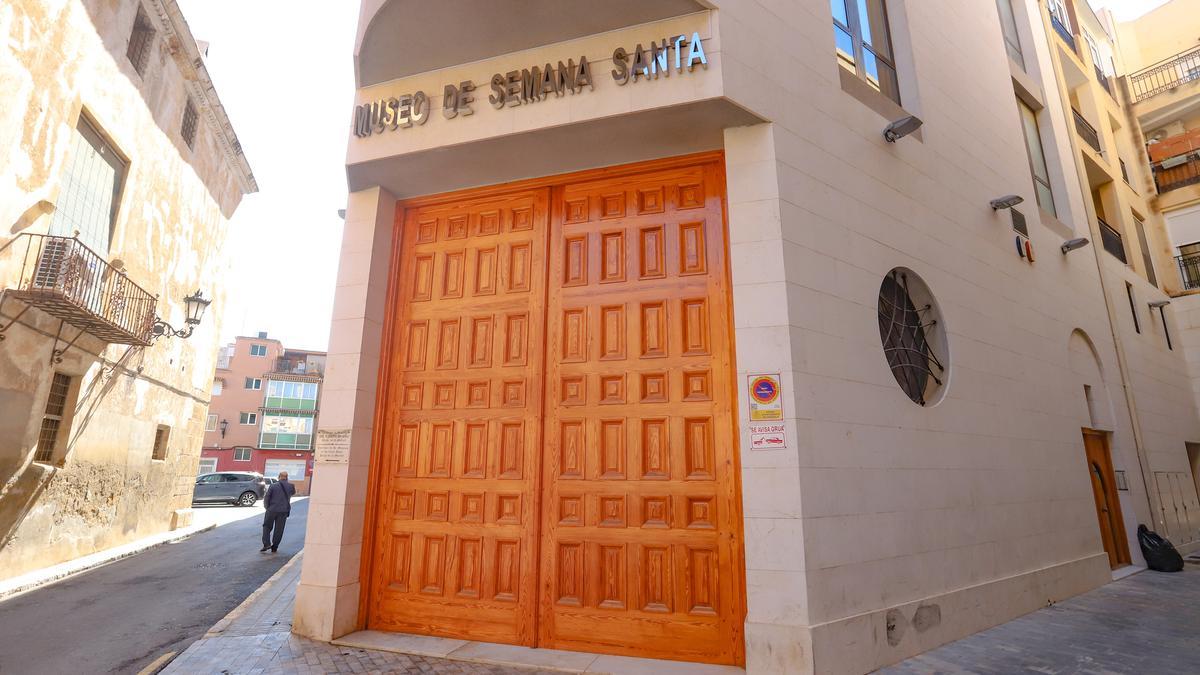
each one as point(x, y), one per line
point(455, 539)
point(641, 541)
point(1108, 505)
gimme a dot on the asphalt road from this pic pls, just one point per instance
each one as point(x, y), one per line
point(121, 617)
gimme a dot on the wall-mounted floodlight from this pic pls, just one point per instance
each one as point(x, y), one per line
point(901, 128)
point(1072, 244)
point(1159, 304)
point(1006, 202)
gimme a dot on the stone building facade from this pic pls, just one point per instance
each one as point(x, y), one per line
point(119, 171)
point(759, 334)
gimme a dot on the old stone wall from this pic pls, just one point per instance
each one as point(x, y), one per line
point(60, 61)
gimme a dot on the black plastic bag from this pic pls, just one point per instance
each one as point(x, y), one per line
point(1160, 555)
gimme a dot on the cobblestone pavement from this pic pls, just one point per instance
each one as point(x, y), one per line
point(1147, 623)
point(256, 638)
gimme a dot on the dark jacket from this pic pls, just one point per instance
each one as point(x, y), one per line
point(278, 496)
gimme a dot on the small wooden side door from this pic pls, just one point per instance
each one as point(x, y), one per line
point(1104, 489)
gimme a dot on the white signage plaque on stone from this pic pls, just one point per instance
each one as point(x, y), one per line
point(333, 446)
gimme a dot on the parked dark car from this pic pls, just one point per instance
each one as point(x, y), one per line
point(240, 488)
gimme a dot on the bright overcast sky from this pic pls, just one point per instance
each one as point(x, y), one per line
point(284, 72)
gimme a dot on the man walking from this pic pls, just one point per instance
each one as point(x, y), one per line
point(279, 506)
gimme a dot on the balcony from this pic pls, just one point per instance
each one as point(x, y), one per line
point(291, 366)
point(1112, 241)
point(1063, 32)
point(1172, 174)
point(1086, 131)
point(1165, 75)
point(1189, 270)
point(64, 278)
point(1105, 81)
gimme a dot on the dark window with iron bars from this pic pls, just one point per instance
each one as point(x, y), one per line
point(141, 41)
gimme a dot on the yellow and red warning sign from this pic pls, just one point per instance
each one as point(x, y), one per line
point(766, 398)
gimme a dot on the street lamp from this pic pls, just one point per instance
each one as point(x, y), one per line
point(224, 426)
point(194, 307)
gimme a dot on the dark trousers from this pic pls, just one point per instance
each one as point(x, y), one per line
point(273, 521)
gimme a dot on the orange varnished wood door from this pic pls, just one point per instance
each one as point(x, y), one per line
point(456, 502)
point(641, 541)
point(1104, 489)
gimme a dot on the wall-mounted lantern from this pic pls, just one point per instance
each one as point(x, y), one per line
point(224, 426)
point(194, 307)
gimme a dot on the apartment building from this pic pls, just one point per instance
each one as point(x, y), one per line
point(119, 171)
point(264, 410)
point(1160, 52)
point(777, 335)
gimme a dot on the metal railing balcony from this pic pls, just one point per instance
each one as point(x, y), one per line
point(66, 279)
point(1177, 172)
point(1113, 242)
point(1086, 131)
point(1165, 75)
point(1189, 270)
point(1063, 32)
point(296, 367)
point(1105, 81)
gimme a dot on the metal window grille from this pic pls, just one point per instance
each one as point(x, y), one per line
point(188, 130)
point(141, 40)
point(902, 330)
point(56, 404)
point(161, 436)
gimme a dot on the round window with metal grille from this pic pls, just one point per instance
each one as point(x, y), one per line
point(913, 337)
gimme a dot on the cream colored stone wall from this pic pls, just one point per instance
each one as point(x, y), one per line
point(60, 60)
point(885, 528)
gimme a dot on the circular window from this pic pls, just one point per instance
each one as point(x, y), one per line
point(913, 337)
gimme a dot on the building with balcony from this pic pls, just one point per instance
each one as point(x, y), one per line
point(119, 171)
point(1161, 59)
point(264, 410)
point(739, 332)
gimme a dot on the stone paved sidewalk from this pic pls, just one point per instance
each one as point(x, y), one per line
point(256, 638)
point(1147, 623)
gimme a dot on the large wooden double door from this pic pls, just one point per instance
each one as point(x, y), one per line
point(555, 459)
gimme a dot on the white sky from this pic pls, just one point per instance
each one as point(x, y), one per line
point(1125, 10)
point(284, 72)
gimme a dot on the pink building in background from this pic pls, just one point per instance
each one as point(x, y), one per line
point(264, 410)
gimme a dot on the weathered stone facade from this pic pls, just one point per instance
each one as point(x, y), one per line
point(63, 61)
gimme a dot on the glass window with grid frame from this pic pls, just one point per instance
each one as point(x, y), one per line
point(90, 192)
point(1037, 158)
point(291, 395)
point(241, 454)
point(864, 43)
point(52, 420)
point(287, 432)
point(248, 418)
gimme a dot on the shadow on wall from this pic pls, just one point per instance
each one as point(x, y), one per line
point(20, 492)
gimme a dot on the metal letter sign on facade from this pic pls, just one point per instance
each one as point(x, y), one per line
point(533, 84)
point(766, 403)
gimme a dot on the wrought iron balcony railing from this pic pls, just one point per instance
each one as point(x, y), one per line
point(70, 281)
point(1189, 270)
point(1177, 172)
point(1086, 131)
point(1063, 32)
point(1165, 75)
point(1113, 242)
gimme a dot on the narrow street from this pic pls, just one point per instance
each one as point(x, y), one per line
point(123, 616)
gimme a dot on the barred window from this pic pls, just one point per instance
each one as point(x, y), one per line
point(141, 41)
point(189, 124)
point(52, 421)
